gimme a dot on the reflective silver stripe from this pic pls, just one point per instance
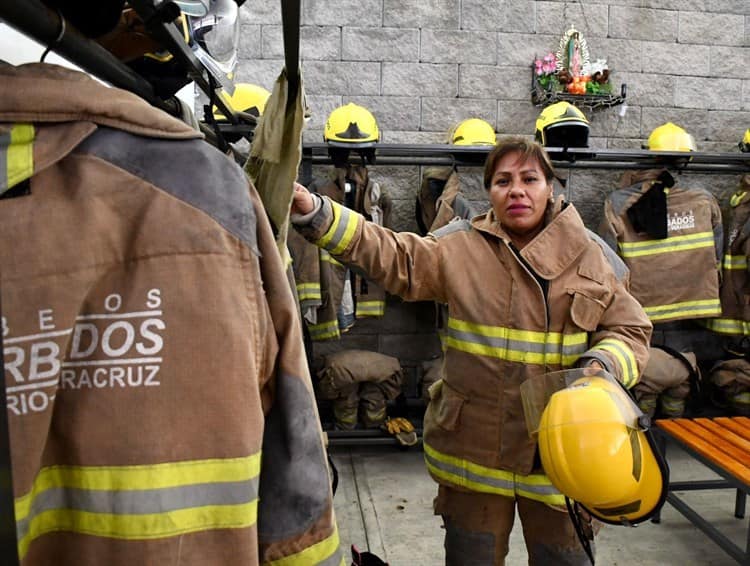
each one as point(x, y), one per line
point(324, 330)
point(667, 245)
point(686, 309)
point(4, 145)
point(516, 345)
point(624, 356)
point(340, 234)
point(728, 326)
point(735, 262)
point(490, 480)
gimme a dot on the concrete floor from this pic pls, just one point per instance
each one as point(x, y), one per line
point(384, 504)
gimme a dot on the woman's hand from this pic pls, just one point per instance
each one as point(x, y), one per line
point(302, 200)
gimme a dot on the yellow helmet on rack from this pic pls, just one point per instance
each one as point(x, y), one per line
point(596, 449)
point(351, 126)
point(246, 97)
point(670, 137)
point(562, 125)
point(472, 131)
point(745, 143)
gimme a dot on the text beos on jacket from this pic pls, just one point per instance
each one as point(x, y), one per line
point(351, 126)
point(562, 125)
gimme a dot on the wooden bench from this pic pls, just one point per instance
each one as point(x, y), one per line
point(723, 445)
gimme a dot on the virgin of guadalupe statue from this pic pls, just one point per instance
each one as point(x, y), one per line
point(573, 53)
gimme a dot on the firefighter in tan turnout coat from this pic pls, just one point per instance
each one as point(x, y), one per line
point(528, 291)
point(160, 407)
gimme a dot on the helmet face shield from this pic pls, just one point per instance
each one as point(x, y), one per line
point(214, 39)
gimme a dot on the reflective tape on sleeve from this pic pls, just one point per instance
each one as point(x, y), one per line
point(16, 155)
point(625, 359)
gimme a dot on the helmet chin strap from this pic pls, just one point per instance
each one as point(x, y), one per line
point(583, 527)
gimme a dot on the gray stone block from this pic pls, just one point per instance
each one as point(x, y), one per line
point(588, 18)
point(727, 127)
point(402, 217)
point(709, 93)
point(642, 23)
point(420, 79)
point(380, 44)
point(618, 121)
point(260, 12)
point(443, 113)
point(343, 12)
point(341, 77)
point(490, 81)
point(262, 72)
point(516, 117)
point(398, 136)
point(401, 182)
point(450, 46)
point(391, 112)
point(675, 58)
point(649, 89)
point(729, 62)
point(520, 50)
point(485, 15)
point(711, 29)
point(694, 121)
point(622, 55)
point(320, 107)
point(249, 42)
point(320, 42)
point(433, 14)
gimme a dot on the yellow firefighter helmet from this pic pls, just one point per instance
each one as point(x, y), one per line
point(562, 125)
point(248, 98)
point(473, 131)
point(670, 137)
point(596, 449)
point(351, 126)
point(745, 143)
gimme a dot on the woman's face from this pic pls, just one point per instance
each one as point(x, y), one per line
point(519, 194)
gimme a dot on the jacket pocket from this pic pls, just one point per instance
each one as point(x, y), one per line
point(446, 404)
point(586, 311)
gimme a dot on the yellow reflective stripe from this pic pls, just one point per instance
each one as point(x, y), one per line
point(16, 155)
point(667, 245)
point(624, 356)
point(737, 198)
point(528, 346)
point(308, 291)
point(141, 526)
point(741, 398)
point(734, 262)
point(479, 478)
point(370, 308)
point(339, 235)
point(326, 552)
point(145, 501)
point(686, 309)
point(324, 330)
point(728, 326)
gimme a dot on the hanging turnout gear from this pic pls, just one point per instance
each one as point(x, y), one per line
point(562, 125)
point(670, 381)
point(731, 380)
point(359, 383)
point(674, 277)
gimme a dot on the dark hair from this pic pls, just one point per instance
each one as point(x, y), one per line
point(528, 150)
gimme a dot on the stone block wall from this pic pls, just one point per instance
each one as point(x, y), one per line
point(422, 65)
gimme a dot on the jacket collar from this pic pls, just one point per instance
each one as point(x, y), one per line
point(545, 253)
point(45, 93)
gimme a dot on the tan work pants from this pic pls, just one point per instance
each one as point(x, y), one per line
point(478, 525)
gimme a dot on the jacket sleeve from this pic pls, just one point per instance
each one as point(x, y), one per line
point(607, 228)
point(621, 341)
point(403, 263)
point(296, 523)
point(718, 230)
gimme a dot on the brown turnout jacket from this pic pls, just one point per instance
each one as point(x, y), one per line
point(512, 315)
point(160, 407)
